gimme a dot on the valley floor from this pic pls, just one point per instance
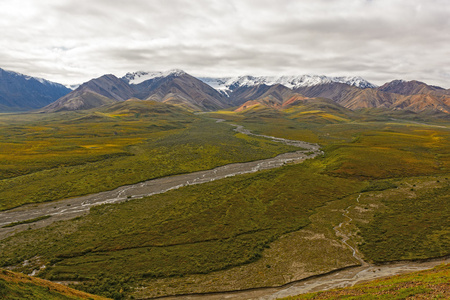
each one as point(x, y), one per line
point(70, 208)
point(319, 252)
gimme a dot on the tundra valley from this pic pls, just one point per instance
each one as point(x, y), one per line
point(165, 185)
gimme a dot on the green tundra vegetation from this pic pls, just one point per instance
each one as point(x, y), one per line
point(399, 164)
point(197, 229)
point(412, 221)
point(429, 284)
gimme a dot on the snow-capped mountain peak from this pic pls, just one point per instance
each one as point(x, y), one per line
point(227, 84)
point(355, 81)
point(141, 76)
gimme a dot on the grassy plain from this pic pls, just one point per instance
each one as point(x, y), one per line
point(429, 284)
point(54, 156)
point(220, 225)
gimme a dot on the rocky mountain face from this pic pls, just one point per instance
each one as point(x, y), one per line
point(178, 88)
point(19, 92)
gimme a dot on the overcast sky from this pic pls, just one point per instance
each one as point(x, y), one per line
point(72, 41)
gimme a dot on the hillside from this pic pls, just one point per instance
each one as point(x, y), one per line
point(19, 286)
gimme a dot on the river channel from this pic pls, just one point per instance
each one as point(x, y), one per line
point(73, 207)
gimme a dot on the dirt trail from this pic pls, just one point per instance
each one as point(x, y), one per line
point(73, 207)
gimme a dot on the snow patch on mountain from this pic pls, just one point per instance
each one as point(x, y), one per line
point(141, 76)
point(72, 86)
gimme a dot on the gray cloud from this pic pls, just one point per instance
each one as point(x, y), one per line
point(72, 41)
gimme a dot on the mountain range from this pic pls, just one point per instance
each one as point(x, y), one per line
point(20, 92)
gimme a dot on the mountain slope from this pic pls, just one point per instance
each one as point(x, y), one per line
point(417, 96)
point(413, 96)
point(19, 92)
point(175, 87)
point(423, 102)
point(106, 89)
point(366, 98)
point(348, 96)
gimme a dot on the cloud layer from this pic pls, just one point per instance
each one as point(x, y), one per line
point(72, 41)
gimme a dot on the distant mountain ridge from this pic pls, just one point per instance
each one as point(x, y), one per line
point(19, 92)
point(207, 93)
point(176, 87)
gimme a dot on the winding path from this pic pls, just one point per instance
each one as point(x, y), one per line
point(345, 238)
point(73, 207)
